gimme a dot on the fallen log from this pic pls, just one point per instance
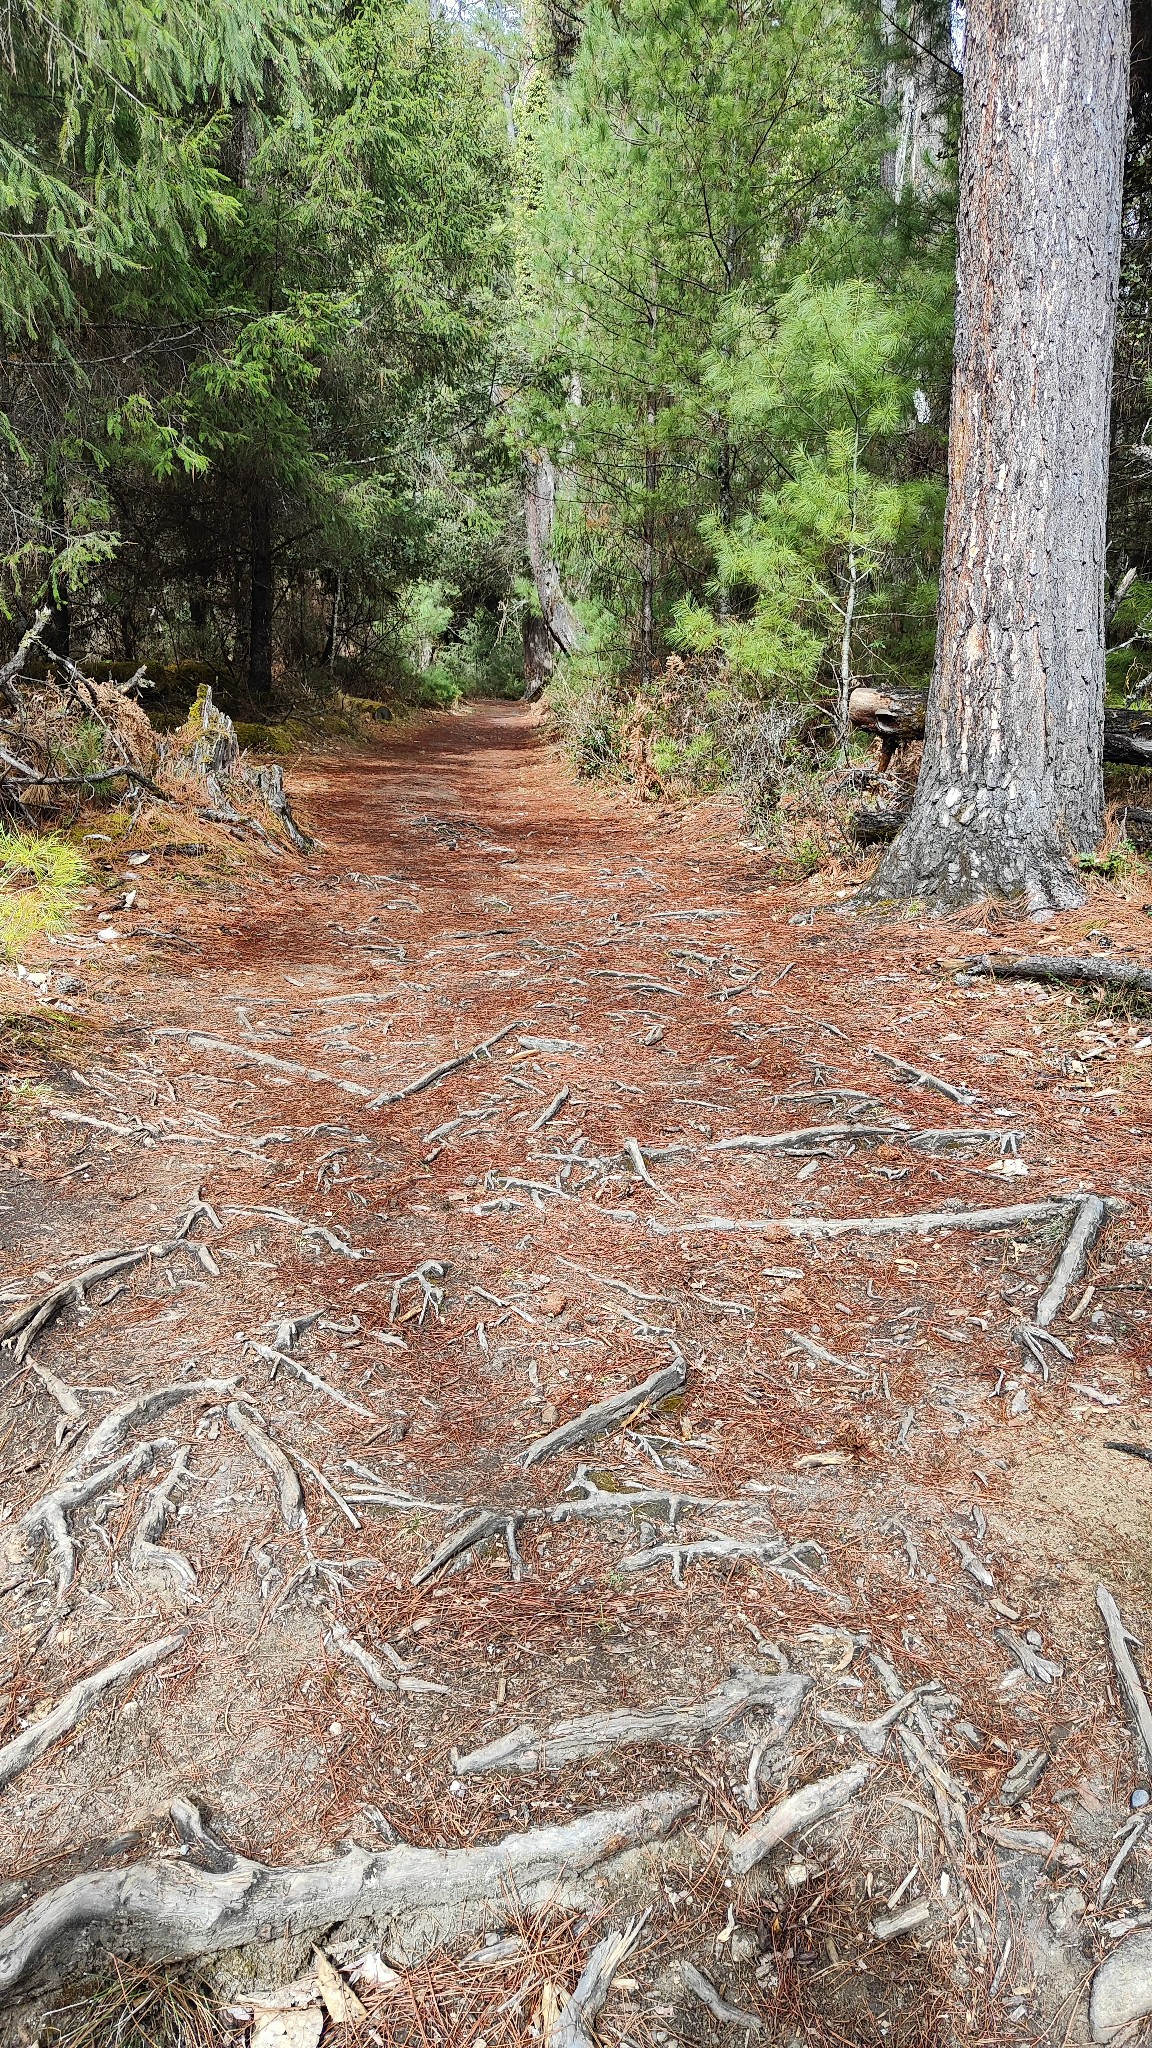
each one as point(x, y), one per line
point(1096, 970)
point(164, 1909)
point(898, 717)
point(529, 1749)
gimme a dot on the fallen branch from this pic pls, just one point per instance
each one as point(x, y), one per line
point(552, 1109)
point(310, 1379)
point(167, 1910)
point(283, 1471)
point(434, 1074)
point(32, 1742)
point(1091, 1217)
point(819, 1227)
point(919, 1079)
point(1126, 1672)
point(251, 1057)
point(697, 1983)
point(530, 1749)
point(1096, 970)
point(801, 1809)
point(607, 1415)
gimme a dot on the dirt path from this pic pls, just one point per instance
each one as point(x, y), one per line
point(857, 1413)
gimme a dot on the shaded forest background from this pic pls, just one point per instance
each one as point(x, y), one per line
point(301, 300)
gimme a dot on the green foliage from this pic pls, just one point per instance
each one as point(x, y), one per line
point(256, 263)
point(39, 877)
point(843, 542)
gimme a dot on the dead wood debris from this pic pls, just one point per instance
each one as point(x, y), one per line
point(1091, 1217)
point(1095, 971)
point(531, 1749)
point(31, 1743)
point(919, 1225)
point(917, 1077)
point(165, 1910)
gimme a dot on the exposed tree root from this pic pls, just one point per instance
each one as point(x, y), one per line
point(167, 1910)
point(32, 1741)
point(531, 1749)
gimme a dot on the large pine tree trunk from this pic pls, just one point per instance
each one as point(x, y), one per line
point(1011, 786)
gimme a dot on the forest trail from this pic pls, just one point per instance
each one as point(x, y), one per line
point(884, 1470)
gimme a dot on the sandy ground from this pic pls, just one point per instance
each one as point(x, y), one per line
point(867, 1401)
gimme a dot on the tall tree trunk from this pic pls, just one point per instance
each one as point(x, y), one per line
point(539, 513)
point(260, 596)
point(1011, 784)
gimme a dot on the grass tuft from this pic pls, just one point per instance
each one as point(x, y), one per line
point(39, 874)
point(135, 2007)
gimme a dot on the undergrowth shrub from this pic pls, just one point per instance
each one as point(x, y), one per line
point(39, 874)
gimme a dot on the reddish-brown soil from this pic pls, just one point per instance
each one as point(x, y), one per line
point(463, 883)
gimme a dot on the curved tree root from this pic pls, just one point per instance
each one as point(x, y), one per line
point(164, 1909)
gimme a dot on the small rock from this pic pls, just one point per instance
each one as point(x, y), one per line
point(1139, 1798)
point(549, 1414)
point(107, 934)
point(301, 2029)
point(1065, 1912)
point(1122, 1986)
point(552, 1302)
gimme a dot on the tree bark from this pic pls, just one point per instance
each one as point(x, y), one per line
point(539, 655)
point(260, 596)
point(1011, 786)
point(539, 513)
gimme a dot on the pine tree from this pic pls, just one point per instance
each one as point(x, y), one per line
point(1011, 786)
